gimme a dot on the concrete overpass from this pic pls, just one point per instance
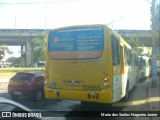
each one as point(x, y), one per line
point(23, 37)
point(145, 36)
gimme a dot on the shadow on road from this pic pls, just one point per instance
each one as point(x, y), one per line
point(29, 102)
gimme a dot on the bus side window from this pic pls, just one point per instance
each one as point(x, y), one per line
point(132, 58)
point(115, 50)
point(127, 56)
point(136, 61)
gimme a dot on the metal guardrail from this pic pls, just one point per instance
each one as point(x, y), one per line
point(22, 30)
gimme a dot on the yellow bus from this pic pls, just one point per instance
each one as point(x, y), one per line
point(89, 63)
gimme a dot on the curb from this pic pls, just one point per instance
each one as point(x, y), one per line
point(149, 91)
point(4, 80)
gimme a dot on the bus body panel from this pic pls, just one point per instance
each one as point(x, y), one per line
point(102, 96)
point(84, 76)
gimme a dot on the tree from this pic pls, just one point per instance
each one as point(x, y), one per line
point(135, 44)
point(2, 54)
point(4, 49)
point(16, 62)
point(38, 48)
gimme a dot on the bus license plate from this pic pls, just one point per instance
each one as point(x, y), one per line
point(73, 83)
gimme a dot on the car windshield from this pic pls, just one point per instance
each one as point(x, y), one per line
point(23, 76)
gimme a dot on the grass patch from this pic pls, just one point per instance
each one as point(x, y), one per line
point(19, 69)
point(9, 72)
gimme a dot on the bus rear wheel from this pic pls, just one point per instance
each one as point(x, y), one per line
point(142, 78)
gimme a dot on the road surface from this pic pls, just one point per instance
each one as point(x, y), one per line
point(138, 101)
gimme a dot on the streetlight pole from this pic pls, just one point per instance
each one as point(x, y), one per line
point(45, 17)
point(113, 21)
point(15, 22)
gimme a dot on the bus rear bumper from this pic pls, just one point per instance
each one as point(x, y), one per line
point(103, 96)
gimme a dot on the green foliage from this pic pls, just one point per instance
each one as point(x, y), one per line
point(38, 48)
point(1, 54)
point(4, 49)
point(16, 62)
point(135, 44)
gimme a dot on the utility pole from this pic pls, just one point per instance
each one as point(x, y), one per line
point(154, 62)
point(45, 7)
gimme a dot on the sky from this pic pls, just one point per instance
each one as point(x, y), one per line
point(50, 14)
point(127, 14)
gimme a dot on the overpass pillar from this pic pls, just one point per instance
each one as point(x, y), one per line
point(23, 55)
point(29, 56)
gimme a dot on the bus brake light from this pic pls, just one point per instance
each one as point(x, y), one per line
point(106, 76)
point(46, 77)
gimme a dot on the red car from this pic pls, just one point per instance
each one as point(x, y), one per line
point(30, 83)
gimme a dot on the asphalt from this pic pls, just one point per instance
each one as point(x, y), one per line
point(154, 93)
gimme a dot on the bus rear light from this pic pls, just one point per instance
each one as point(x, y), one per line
point(46, 75)
point(105, 78)
point(46, 79)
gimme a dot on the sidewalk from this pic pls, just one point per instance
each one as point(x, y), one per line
point(4, 80)
point(154, 96)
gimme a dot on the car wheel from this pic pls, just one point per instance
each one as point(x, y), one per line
point(39, 95)
point(15, 97)
point(142, 78)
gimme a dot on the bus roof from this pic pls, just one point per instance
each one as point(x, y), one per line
point(78, 26)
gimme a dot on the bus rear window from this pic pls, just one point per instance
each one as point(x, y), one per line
point(76, 43)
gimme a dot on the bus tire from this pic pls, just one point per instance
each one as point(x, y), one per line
point(85, 103)
point(142, 77)
point(137, 79)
